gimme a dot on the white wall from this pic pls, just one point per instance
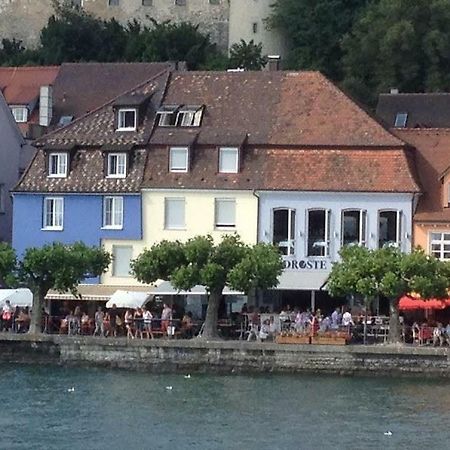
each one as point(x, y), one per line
point(313, 278)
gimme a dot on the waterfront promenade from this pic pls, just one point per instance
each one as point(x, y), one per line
point(196, 355)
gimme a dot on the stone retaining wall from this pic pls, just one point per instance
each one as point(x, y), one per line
point(224, 357)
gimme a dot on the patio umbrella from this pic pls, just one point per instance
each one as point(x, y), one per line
point(408, 303)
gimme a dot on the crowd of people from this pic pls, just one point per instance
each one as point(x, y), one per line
point(15, 319)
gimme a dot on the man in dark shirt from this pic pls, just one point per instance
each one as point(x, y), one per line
point(113, 320)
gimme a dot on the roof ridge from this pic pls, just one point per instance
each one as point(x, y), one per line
point(29, 67)
point(110, 101)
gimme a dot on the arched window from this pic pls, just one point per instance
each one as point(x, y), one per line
point(353, 230)
point(284, 230)
point(318, 232)
point(389, 228)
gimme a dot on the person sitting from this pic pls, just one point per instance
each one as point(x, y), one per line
point(23, 321)
point(187, 326)
point(264, 331)
point(347, 319)
point(254, 325)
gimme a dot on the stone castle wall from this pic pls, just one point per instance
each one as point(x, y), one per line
point(23, 19)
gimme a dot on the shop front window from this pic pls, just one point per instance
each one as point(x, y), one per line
point(284, 230)
point(318, 232)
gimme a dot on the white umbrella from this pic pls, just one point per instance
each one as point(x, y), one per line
point(128, 299)
point(18, 297)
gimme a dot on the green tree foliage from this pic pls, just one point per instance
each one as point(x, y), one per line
point(314, 29)
point(60, 267)
point(390, 273)
point(399, 43)
point(8, 264)
point(201, 261)
point(247, 55)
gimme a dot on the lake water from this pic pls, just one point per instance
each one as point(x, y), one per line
point(68, 408)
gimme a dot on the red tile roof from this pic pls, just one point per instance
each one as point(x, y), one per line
point(20, 85)
point(432, 155)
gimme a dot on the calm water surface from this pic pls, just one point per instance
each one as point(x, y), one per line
point(121, 410)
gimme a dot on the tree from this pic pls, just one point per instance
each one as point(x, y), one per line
point(60, 267)
point(314, 30)
point(200, 261)
point(247, 55)
point(8, 263)
point(389, 273)
point(398, 44)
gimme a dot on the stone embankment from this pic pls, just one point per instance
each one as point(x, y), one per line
point(224, 357)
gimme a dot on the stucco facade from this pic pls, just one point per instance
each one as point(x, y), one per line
point(226, 21)
point(310, 272)
point(199, 220)
point(82, 220)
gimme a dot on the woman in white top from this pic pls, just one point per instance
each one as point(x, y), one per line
point(148, 316)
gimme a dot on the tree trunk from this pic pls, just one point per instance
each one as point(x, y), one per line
point(394, 322)
point(212, 315)
point(36, 312)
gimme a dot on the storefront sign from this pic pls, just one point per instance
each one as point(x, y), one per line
point(293, 264)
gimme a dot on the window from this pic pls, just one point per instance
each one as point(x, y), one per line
point(167, 116)
point(122, 255)
point(113, 212)
point(65, 120)
point(190, 116)
point(180, 2)
point(179, 158)
point(53, 213)
point(214, 2)
point(354, 227)
point(400, 120)
point(228, 160)
point(20, 113)
point(255, 27)
point(147, 2)
point(225, 213)
point(389, 228)
point(57, 165)
point(284, 230)
point(78, 3)
point(174, 214)
point(113, 2)
point(117, 165)
point(440, 245)
point(126, 120)
point(318, 232)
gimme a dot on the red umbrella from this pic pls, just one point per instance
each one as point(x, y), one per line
point(408, 303)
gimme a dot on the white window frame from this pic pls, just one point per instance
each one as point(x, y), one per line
point(229, 150)
point(23, 116)
point(113, 205)
point(167, 226)
point(326, 241)
point(190, 117)
point(121, 117)
point(57, 217)
point(114, 265)
point(179, 169)
point(217, 203)
point(441, 242)
point(401, 119)
point(398, 230)
point(61, 164)
point(122, 165)
point(288, 244)
point(362, 239)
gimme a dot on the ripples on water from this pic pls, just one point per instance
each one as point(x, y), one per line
point(121, 410)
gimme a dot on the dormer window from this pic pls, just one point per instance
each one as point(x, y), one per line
point(167, 116)
point(57, 165)
point(117, 165)
point(228, 160)
point(127, 119)
point(20, 113)
point(179, 159)
point(190, 116)
point(401, 119)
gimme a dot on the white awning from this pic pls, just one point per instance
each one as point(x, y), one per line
point(166, 288)
point(17, 297)
point(128, 299)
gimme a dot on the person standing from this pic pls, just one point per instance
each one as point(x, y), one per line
point(99, 322)
point(148, 317)
point(113, 320)
point(166, 318)
point(336, 319)
point(7, 314)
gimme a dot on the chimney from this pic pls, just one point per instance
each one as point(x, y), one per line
point(274, 62)
point(45, 105)
point(394, 91)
